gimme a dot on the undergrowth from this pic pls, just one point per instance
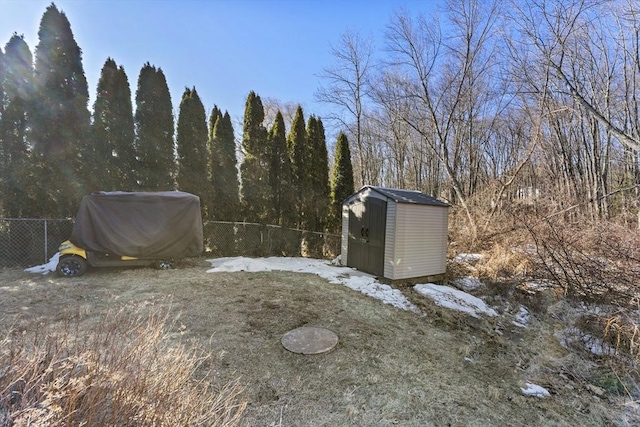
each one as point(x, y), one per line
point(121, 371)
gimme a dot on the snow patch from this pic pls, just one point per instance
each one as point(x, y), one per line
point(469, 283)
point(535, 390)
point(45, 268)
point(454, 299)
point(574, 336)
point(522, 318)
point(353, 279)
point(467, 258)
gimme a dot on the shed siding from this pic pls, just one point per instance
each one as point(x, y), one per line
point(345, 235)
point(421, 238)
point(390, 240)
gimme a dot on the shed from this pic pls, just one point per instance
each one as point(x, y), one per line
point(395, 234)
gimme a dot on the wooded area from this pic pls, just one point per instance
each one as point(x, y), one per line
point(496, 107)
point(491, 103)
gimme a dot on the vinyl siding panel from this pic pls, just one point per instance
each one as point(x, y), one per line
point(390, 240)
point(344, 247)
point(421, 239)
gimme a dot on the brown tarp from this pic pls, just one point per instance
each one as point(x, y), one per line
point(154, 225)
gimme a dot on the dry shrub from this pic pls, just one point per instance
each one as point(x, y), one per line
point(620, 330)
point(599, 264)
point(121, 371)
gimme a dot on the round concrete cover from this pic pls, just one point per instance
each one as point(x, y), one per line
point(309, 340)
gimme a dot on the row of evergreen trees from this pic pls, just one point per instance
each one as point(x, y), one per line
point(53, 150)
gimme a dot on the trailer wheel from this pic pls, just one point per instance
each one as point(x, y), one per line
point(72, 266)
point(165, 264)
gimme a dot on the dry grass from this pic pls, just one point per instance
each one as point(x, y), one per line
point(390, 367)
point(120, 371)
point(505, 260)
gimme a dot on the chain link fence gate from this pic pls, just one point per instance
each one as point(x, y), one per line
point(28, 242)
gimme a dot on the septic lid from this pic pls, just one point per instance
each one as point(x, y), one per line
point(309, 340)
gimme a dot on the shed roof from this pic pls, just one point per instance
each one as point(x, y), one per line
point(406, 196)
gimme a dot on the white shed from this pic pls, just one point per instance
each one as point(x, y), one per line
point(396, 234)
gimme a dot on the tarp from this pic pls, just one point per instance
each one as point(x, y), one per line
point(153, 225)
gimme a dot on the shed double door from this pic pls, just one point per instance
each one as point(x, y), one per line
point(367, 227)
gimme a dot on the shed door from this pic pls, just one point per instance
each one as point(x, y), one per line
point(357, 249)
point(367, 227)
point(376, 221)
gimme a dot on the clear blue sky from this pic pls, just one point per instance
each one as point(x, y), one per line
point(225, 48)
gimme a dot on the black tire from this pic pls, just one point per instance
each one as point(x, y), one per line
point(72, 266)
point(165, 264)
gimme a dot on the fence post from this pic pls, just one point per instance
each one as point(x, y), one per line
point(46, 243)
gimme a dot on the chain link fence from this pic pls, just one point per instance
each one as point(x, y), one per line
point(28, 242)
point(224, 239)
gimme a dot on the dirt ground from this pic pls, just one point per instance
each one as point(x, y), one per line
point(390, 367)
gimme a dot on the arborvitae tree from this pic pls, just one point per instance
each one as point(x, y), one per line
point(212, 160)
point(3, 163)
point(297, 147)
point(16, 79)
point(3, 95)
point(319, 192)
point(111, 161)
point(225, 201)
point(215, 115)
point(255, 165)
point(280, 180)
point(341, 179)
point(154, 131)
point(192, 147)
point(61, 118)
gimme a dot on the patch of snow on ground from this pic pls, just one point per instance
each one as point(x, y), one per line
point(454, 299)
point(537, 286)
point(595, 345)
point(468, 283)
point(467, 258)
point(353, 279)
point(45, 268)
point(522, 318)
point(535, 390)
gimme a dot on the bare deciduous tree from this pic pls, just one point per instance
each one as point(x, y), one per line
point(348, 88)
point(451, 84)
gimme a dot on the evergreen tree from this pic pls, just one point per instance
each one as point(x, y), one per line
point(154, 131)
point(16, 80)
point(212, 160)
point(61, 118)
point(192, 146)
point(318, 191)
point(255, 165)
point(225, 201)
point(3, 95)
point(297, 147)
point(215, 115)
point(111, 161)
point(341, 179)
point(280, 180)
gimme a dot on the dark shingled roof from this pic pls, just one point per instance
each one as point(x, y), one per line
point(407, 196)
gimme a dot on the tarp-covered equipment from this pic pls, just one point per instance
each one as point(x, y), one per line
point(148, 225)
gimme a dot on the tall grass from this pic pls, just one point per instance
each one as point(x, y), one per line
point(123, 370)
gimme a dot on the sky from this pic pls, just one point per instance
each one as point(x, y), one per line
point(223, 48)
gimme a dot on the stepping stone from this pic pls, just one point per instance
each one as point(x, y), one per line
point(309, 340)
